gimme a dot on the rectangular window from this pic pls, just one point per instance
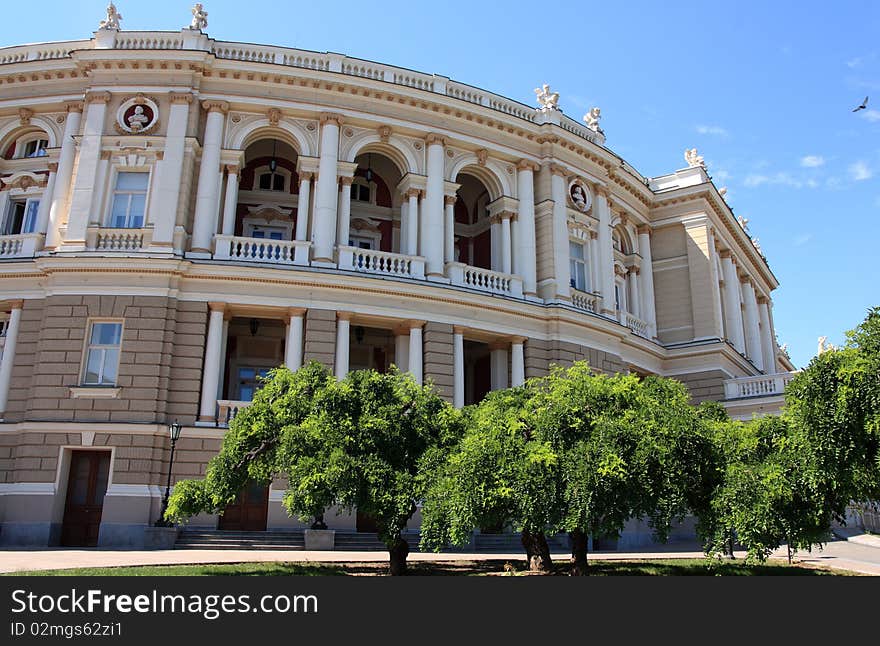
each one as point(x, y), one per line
point(129, 200)
point(21, 217)
point(578, 265)
point(249, 382)
point(102, 354)
point(36, 148)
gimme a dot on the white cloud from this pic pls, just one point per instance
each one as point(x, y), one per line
point(870, 115)
point(712, 130)
point(860, 171)
point(812, 161)
point(755, 180)
point(721, 175)
point(854, 62)
point(803, 239)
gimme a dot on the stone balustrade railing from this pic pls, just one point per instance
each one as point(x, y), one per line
point(227, 409)
point(584, 300)
point(759, 386)
point(318, 61)
point(484, 280)
point(22, 245)
point(121, 240)
point(636, 325)
point(383, 263)
point(261, 250)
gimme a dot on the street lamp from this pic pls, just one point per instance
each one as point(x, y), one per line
point(174, 433)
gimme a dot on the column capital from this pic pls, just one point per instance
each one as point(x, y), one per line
point(232, 169)
point(98, 97)
point(745, 280)
point(15, 304)
point(434, 138)
point(413, 324)
point(502, 215)
point(620, 270)
point(216, 306)
point(556, 169)
point(644, 229)
point(517, 340)
point(725, 253)
point(181, 97)
point(413, 192)
point(450, 200)
point(502, 344)
point(293, 312)
point(215, 106)
point(53, 167)
point(305, 176)
point(634, 269)
point(74, 106)
point(331, 117)
point(602, 191)
point(344, 316)
point(346, 181)
point(527, 164)
point(459, 329)
point(593, 234)
point(762, 300)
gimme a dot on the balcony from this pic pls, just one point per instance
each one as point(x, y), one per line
point(118, 240)
point(584, 300)
point(484, 280)
point(636, 325)
point(382, 263)
point(227, 409)
point(760, 386)
point(22, 245)
point(261, 250)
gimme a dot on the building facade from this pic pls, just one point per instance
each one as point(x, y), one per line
point(181, 214)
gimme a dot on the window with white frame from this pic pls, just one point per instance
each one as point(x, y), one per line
point(577, 255)
point(268, 232)
point(129, 200)
point(101, 365)
point(31, 146)
point(21, 216)
point(361, 190)
point(250, 378)
point(271, 181)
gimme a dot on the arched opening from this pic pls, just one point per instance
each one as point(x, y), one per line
point(625, 272)
point(374, 221)
point(26, 143)
point(476, 243)
point(24, 163)
point(268, 192)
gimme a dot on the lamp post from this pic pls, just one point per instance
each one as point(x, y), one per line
point(174, 433)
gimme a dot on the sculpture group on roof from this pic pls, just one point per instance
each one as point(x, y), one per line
point(112, 20)
point(546, 99)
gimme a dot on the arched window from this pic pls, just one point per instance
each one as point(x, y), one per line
point(269, 180)
point(361, 190)
point(31, 145)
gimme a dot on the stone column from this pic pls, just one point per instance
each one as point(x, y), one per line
point(449, 229)
point(732, 309)
point(344, 222)
point(208, 193)
point(62, 189)
point(753, 332)
point(83, 195)
point(163, 210)
point(416, 359)
point(495, 244)
point(768, 349)
point(227, 316)
point(649, 311)
point(561, 266)
point(401, 350)
point(326, 191)
point(230, 203)
point(595, 282)
point(525, 256)
point(606, 252)
point(302, 206)
point(42, 223)
point(343, 325)
point(498, 365)
point(8, 359)
point(213, 363)
point(403, 234)
point(506, 262)
point(458, 366)
point(432, 239)
point(412, 222)
point(293, 347)
point(634, 300)
point(517, 362)
point(715, 286)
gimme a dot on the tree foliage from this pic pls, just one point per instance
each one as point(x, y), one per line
point(368, 442)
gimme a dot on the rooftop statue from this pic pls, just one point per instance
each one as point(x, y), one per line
point(546, 99)
point(693, 159)
point(200, 18)
point(592, 119)
point(743, 222)
point(112, 20)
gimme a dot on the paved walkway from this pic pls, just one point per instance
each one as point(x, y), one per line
point(860, 555)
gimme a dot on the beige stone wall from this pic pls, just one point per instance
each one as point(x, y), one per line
point(536, 354)
point(708, 385)
point(437, 366)
point(541, 355)
point(703, 281)
point(544, 249)
point(20, 389)
point(320, 337)
point(672, 291)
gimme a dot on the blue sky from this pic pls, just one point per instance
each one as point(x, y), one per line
point(763, 90)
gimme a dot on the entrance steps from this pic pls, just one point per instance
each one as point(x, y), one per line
point(216, 539)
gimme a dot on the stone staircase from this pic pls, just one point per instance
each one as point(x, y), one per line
point(215, 539)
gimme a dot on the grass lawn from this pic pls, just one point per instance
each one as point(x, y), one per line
point(668, 567)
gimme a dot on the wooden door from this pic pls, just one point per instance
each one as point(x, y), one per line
point(86, 487)
point(250, 510)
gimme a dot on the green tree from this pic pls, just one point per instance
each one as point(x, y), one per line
point(368, 442)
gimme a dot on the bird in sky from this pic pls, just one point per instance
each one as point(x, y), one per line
point(863, 106)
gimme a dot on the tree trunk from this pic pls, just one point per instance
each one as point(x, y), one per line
point(398, 551)
point(537, 551)
point(578, 553)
